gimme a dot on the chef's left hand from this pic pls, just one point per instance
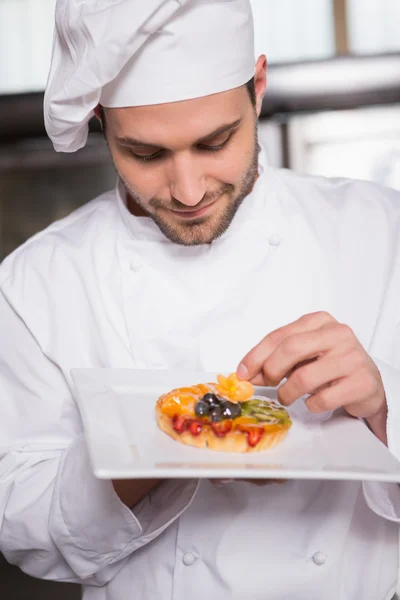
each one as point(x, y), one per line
point(321, 357)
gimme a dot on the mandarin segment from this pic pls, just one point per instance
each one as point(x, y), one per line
point(233, 389)
point(243, 421)
point(204, 388)
point(179, 403)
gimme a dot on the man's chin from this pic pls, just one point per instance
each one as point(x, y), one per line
point(201, 229)
point(193, 232)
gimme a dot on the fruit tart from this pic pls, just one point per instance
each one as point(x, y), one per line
point(224, 416)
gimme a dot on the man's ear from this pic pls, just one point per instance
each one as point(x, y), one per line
point(260, 81)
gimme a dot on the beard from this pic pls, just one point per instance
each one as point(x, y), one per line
point(207, 229)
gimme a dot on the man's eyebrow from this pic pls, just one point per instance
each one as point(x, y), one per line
point(220, 131)
point(129, 141)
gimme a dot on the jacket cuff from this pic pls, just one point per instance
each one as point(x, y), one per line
point(384, 498)
point(91, 525)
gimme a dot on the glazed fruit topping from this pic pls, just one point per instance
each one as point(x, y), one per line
point(179, 401)
point(195, 428)
point(234, 389)
point(215, 414)
point(202, 409)
point(180, 423)
point(228, 406)
point(183, 423)
point(217, 408)
point(211, 400)
point(231, 410)
point(222, 428)
point(265, 411)
point(254, 434)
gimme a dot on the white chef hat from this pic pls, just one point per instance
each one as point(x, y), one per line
point(140, 52)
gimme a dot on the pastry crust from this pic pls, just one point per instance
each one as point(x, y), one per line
point(233, 441)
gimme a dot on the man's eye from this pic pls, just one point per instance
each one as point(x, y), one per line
point(215, 147)
point(145, 157)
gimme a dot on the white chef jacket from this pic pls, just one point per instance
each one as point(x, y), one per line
point(103, 288)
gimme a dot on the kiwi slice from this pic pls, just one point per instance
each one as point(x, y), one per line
point(265, 411)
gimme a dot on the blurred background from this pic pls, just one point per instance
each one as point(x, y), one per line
point(332, 108)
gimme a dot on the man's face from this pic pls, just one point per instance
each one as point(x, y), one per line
point(188, 165)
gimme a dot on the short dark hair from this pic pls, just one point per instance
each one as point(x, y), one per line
point(250, 85)
point(251, 88)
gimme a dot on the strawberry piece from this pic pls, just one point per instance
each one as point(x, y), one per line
point(254, 435)
point(222, 428)
point(195, 428)
point(180, 423)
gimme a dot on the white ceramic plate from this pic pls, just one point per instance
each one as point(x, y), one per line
point(117, 408)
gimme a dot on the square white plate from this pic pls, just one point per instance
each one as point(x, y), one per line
point(117, 408)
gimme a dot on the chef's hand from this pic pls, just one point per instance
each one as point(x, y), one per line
point(323, 358)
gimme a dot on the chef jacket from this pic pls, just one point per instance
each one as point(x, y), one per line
point(103, 288)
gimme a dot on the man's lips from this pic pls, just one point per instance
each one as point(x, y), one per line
point(193, 214)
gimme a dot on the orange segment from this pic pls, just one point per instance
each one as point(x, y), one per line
point(178, 403)
point(234, 389)
point(247, 424)
point(185, 390)
point(243, 421)
point(204, 388)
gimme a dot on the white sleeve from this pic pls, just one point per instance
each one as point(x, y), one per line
point(384, 498)
point(57, 521)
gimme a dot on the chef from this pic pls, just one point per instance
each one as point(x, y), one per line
point(203, 257)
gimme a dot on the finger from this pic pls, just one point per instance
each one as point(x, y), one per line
point(311, 377)
point(261, 378)
point(356, 393)
point(301, 347)
point(252, 363)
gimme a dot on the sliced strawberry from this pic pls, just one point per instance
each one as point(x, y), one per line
point(195, 428)
point(254, 435)
point(222, 428)
point(180, 423)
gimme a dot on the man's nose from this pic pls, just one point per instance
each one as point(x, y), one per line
point(187, 183)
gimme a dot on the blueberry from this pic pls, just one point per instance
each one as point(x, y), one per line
point(216, 414)
point(212, 400)
point(202, 409)
point(231, 410)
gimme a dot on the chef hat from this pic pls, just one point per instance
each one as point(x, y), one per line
point(140, 52)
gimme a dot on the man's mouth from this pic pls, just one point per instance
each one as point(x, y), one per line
point(193, 214)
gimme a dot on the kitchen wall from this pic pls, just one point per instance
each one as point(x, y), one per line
point(38, 187)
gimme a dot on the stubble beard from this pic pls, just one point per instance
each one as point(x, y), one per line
point(203, 230)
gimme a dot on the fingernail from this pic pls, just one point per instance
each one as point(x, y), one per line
point(242, 371)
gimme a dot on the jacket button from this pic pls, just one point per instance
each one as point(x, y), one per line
point(275, 240)
point(319, 558)
point(189, 559)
